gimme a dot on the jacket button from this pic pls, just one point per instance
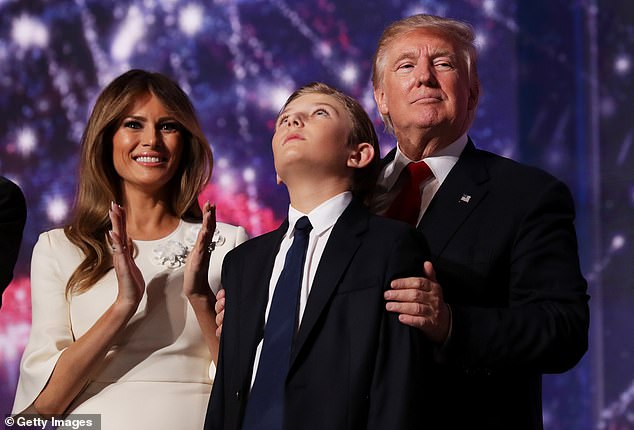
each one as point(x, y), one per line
point(237, 395)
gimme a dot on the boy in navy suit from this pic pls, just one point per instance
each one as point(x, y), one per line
point(307, 342)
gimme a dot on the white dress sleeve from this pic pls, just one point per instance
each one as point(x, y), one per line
point(233, 236)
point(51, 331)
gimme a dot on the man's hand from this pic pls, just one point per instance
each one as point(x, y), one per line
point(420, 303)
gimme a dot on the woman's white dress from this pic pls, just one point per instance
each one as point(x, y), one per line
point(159, 373)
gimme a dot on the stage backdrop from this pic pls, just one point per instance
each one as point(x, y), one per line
point(556, 78)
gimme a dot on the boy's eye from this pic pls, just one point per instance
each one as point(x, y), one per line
point(132, 124)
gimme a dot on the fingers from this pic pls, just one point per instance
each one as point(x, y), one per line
point(204, 242)
point(220, 301)
point(430, 273)
point(424, 310)
point(219, 307)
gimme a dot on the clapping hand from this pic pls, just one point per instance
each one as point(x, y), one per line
point(197, 268)
point(129, 278)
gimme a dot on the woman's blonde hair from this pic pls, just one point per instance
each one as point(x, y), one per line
point(99, 184)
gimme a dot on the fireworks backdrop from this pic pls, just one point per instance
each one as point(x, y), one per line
point(556, 78)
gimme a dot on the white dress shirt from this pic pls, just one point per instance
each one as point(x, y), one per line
point(440, 163)
point(322, 218)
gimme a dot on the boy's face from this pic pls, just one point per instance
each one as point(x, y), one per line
point(311, 138)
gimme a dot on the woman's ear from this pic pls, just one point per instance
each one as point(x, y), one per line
point(361, 156)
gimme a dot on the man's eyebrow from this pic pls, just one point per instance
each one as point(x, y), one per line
point(443, 53)
point(410, 53)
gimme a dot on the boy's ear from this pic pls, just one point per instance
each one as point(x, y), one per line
point(361, 156)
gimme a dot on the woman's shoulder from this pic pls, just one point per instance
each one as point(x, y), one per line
point(230, 228)
point(54, 238)
point(232, 235)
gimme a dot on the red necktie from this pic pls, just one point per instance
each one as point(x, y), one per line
point(406, 205)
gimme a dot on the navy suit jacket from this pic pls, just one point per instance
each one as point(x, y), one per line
point(12, 220)
point(504, 248)
point(353, 365)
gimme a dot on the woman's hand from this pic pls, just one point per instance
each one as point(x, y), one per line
point(195, 281)
point(129, 278)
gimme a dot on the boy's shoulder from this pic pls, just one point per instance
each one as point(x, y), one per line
point(258, 244)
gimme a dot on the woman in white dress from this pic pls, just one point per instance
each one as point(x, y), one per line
point(122, 319)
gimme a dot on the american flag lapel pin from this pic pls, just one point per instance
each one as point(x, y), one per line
point(465, 198)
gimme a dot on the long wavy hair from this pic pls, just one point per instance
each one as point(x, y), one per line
point(99, 184)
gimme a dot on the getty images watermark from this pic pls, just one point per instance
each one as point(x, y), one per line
point(72, 421)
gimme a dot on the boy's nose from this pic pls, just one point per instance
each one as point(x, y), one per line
point(295, 121)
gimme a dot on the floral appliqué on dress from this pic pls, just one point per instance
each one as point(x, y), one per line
point(173, 253)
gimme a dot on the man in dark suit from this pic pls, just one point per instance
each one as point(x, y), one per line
point(349, 364)
point(503, 296)
point(12, 220)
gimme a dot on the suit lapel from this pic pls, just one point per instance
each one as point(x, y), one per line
point(461, 192)
point(340, 249)
point(254, 297)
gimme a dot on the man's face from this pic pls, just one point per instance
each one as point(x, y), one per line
point(425, 86)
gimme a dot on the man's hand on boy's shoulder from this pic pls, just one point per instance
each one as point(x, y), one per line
point(420, 303)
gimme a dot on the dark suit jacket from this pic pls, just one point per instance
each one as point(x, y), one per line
point(353, 365)
point(12, 219)
point(504, 249)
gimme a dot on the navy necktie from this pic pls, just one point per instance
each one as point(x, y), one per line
point(265, 407)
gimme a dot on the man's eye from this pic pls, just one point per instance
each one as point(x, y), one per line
point(444, 65)
point(283, 120)
point(405, 66)
point(321, 112)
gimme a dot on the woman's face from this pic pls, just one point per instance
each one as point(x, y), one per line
point(147, 146)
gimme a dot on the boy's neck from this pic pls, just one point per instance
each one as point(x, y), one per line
point(307, 195)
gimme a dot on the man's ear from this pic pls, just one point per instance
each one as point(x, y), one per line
point(474, 94)
point(361, 156)
point(381, 101)
point(278, 179)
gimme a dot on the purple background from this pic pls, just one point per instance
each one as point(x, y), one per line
point(556, 79)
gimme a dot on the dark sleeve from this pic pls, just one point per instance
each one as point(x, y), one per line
point(12, 220)
point(395, 396)
point(214, 420)
point(545, 326)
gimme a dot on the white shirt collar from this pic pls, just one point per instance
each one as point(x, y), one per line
point(323, 216)
point(440, 162)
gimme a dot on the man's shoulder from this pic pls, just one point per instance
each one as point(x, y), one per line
point(507, 171)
